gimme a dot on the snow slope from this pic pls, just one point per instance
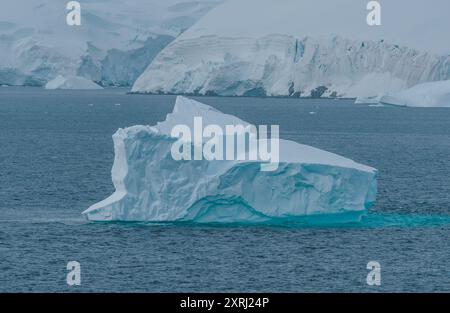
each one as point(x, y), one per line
point(152, 186)
point(115, 42)
point(72, 82)
point(304, 48)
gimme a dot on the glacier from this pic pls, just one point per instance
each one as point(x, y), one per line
point(303, 49)
point(150, 186)
point(113, 46)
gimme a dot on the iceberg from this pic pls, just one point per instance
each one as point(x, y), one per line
point(373, 100)
point(71, 82)
point(432, 94)
point(151, 186)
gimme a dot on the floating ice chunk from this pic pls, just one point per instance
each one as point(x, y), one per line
point(434, 94)
point(71, 82)
point(152, 186)
point(374, 100)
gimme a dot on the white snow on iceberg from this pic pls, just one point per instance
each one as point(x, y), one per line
point(71, 82)
point(434, 94)
point(152, 186)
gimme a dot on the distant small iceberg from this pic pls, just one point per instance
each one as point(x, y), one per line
point(368, 100)
point(434, 94)
point(71, 82)
point(427, 95)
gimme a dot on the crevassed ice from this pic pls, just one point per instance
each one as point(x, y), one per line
point(152, 186)
point(282, 65)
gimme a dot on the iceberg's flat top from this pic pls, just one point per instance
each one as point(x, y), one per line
point(184, 111)
point(290, 152)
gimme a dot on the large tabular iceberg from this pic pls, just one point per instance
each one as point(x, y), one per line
point(152, 186)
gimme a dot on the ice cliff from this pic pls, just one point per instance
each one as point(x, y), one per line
point(152, 186)
point(273, 48)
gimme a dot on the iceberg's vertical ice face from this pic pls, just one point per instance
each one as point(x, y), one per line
point(152, 186)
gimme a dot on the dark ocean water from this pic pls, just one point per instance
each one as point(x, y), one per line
point(56, 154)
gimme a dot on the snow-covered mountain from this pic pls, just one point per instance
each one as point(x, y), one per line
point(113, 45)
point(305, 48)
